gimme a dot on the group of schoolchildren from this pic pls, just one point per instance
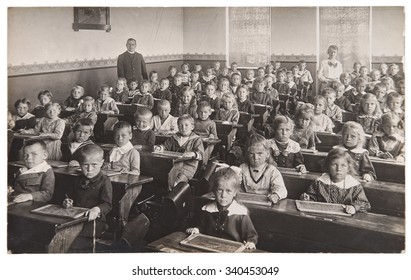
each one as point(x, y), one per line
point(186, 102)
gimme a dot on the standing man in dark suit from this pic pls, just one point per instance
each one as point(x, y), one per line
point(131, 64)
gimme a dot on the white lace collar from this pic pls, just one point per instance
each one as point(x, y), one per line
point(292, 147)
point(234, 209)
point(348, 182)
point(355, 150)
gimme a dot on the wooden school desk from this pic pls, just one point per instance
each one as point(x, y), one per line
point(36, 233)
point(282, 228)
point(226, 132)
point(386, 170)
point(16, 152)
point(159, 165)
point(120, 207)
point(263, 111)
point(385, 198)
point(171, 244)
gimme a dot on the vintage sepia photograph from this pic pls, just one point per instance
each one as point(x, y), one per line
point(267, 129)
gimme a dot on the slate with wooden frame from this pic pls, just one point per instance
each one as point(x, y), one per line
point(92, 18)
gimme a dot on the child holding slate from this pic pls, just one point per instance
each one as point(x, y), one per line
point(35, 180)
point(338, 185)
point(91, 190)
point(257, 175)
point(226, 218)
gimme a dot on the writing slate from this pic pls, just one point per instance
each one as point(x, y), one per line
point(212, 244)
point(59, 211)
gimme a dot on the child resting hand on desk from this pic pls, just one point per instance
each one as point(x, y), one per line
point(225, 217)
point(337, 185)
point(35, 181)
point(91, 190)
point(188, 143)
point(123, 156)
point(257, 175)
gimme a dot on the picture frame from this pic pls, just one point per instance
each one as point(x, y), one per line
point(92, 18)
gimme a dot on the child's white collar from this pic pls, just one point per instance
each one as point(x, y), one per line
point(234, 209)
point(349, 181)
point(355, 150)
point(42, 167)
point(292, 147)
point(117, 151)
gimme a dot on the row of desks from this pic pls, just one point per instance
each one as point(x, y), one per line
point(282, 228)
point(386, 170)
point(120, 209)
point(385, 197)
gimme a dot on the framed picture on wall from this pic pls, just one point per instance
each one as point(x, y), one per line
point(92, 18)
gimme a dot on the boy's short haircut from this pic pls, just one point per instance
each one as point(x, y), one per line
point(393, 95)
point(227, 175)
point(259, 81)
point(223, 80)
point(102, 89)
point(345, 75)
point(203, 104)
point(142, 112)
point(197, 64)
point(317, 98)
point(32, 142)
point(379, 86)
point(338, 85)
point(393, 65)
point(145, 82)
point(132, 39)
point(302, 61)
point(178, 76)
point(390, 116)
point(235, 74)
point(294, 67)
point(375, 71)
point(122, 124)
point(360, 81)
point(45, 92)
point(89, 150)
point(185, 63)
point(244, 87)
point(83, 122)
point(256, 139)
point(88, 98)
point(194, 73)
point(234, 63)
point(22, 101)
point(328, 90)
point(187, 89)
point(171, 67)
point(133, 80)
point(260, 68)
point(50, 104)
point(363, 67)
point(152, 72)
point(356, 63)
point(211, 84)
point(163, 103)
point(185, 117)
point(216, 62)
point(164, 79)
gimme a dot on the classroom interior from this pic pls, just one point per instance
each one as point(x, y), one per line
point(51, 55)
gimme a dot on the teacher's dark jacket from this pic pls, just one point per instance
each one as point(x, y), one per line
point(131, 66)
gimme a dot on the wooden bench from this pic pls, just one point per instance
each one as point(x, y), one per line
point(386, 170)
point(385, 198)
